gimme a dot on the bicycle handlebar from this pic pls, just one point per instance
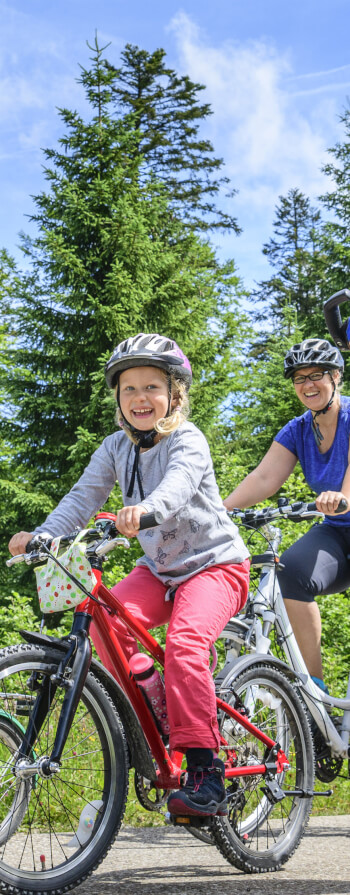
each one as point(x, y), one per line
point(337, 328)
point(295, 512)
point(35, 553)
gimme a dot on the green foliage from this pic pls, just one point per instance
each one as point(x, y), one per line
point(16, 612)
point(265, 401)
point(335, 616)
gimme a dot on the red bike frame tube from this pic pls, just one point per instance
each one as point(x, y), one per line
point(169, 772)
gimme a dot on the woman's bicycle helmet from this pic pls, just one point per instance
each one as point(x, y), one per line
point(148, 350)
point(312, 353)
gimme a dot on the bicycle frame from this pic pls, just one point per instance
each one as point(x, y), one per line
point(168, 763)
point(268, 604)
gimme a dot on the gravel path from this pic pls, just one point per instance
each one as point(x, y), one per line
point(166, 861)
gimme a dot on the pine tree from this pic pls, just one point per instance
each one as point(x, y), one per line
point(168, 117)
point(337, 202)
point(111, 257)
point(20, 499)
point(296, 254)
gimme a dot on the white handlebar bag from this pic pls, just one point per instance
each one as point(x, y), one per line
point(56, 591)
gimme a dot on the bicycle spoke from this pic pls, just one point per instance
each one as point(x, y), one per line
point(48, 824)
point(259, 832)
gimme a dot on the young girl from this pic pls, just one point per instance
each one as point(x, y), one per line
point(194, 572)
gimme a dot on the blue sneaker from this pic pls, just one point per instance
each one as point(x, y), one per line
point(204, 791)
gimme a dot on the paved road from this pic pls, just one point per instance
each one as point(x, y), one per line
point(166, 861)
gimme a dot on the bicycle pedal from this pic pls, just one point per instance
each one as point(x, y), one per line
point(179, 820)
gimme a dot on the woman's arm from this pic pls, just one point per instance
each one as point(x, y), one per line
point(265, 480)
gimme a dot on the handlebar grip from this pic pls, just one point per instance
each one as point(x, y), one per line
point(150, 520)
point(311, 507)
point(19, 557)
point(342, 505)
point(337, 328)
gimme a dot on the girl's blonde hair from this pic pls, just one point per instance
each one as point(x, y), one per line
point(167, 424)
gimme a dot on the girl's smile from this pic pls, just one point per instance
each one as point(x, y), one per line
point(143, 396)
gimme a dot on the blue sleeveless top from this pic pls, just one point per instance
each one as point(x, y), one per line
point(323, 472)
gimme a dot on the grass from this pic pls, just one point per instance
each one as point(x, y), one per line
point(338, 803)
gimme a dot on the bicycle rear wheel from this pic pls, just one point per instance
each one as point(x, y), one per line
point(63, 824)
point(258, 835)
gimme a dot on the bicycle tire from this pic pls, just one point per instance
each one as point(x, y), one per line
point(72, 817)
point(257, 836)
point(16, 793)
point(204, 835)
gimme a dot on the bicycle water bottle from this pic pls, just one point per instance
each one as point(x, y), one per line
point(149, 679)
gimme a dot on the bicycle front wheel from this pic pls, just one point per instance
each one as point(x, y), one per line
point(55, 830)
point(259, 835)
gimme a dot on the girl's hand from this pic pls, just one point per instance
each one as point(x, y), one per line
point(19, 542)
point(327, 502)
point(128, 520)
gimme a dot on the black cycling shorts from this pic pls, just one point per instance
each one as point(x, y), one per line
point(318, 563)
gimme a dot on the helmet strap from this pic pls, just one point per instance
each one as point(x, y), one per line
point(315, 426)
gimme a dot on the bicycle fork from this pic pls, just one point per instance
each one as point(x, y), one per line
point(79, 650)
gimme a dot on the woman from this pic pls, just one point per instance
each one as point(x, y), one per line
point(318, 562)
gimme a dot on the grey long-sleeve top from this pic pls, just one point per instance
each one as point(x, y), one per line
point(178, 481)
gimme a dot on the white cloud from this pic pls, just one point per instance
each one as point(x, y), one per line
point(264, 132)
point(272, 132)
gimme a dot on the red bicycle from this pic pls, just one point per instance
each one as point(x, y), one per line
point(73, 730)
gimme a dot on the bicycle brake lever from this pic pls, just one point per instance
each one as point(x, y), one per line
point(20, 557)
point(107, 545)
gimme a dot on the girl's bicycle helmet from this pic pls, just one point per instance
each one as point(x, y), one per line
point(312, 353)
point(148, 350)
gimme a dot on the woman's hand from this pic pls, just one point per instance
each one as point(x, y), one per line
point(327, 502)
point(128, 520)
point(19, 542)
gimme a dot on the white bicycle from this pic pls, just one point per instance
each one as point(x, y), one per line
point(263, 632)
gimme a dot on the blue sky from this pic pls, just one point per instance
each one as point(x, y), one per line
point(277, 76)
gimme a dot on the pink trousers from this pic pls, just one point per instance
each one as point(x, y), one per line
point(202, 606)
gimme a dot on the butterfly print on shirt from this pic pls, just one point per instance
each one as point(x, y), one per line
point(191, 566)
point(161, 556)
point(169, 535)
